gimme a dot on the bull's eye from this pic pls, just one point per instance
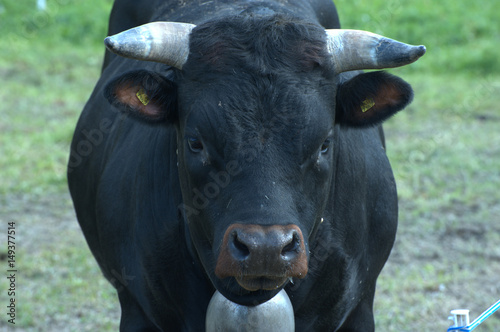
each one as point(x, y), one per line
point(325, 146)
point(195, 144)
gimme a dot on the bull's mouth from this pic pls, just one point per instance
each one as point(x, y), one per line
point(261, 283)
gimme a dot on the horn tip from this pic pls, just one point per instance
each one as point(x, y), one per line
point(419, 51)
point(110, 43)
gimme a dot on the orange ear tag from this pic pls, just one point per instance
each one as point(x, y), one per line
point(367, 104)
point(142, 96)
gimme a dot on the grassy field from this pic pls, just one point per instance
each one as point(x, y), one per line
point(445, 152)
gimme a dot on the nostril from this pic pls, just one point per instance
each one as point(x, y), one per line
point(260, 253)
point(241, 250)
point(292, 247)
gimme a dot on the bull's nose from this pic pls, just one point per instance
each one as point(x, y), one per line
point(280, 243)
point(262, 256)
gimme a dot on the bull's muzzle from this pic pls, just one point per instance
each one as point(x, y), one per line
point(262, 257)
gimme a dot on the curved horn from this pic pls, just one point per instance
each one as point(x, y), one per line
point(165, 42)
point(356, 49)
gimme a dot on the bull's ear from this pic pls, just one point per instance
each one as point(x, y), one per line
point(370, 98)
point(143, 94)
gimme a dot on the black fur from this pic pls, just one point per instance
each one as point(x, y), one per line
point(264, 44)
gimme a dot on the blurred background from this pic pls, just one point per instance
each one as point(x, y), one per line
point(444, 149)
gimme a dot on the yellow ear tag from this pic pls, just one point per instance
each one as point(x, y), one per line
point(367, 104)
point(142, 96)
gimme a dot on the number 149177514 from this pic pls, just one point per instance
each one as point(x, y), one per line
point(11, 245)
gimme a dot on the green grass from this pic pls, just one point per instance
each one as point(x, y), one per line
point(48, 70)
point(52, 61)
point(461, 37)
point(446, 160)
point(445, 152)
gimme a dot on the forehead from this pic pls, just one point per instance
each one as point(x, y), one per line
point(248, 76)
point(244, 99)
point(257, 44)
point(273, 111)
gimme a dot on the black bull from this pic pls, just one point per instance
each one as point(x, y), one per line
point(247, 159)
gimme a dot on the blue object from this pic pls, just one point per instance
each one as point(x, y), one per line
point(478, 320)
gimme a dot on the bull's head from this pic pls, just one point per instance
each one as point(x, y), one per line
point(255, 112)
